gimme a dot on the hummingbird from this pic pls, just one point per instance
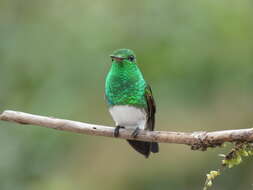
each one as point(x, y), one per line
point(130, 100)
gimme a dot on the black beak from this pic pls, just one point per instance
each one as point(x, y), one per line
point(116, 58)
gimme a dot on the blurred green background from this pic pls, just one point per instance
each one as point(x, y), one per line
point(54, 55)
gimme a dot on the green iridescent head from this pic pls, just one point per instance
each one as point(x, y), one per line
point(123, 56)
point(125, 84)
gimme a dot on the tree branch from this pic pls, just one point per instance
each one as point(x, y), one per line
point(197, 140)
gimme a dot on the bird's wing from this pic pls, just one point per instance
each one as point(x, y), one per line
point(151, 108)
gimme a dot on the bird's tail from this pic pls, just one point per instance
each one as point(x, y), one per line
point(144, 147)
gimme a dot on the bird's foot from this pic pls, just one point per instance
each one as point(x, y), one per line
point(116, 130)
point(136, 132)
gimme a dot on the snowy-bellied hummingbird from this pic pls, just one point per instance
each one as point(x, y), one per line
point(130, 99)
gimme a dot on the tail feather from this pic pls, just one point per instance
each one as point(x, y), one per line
point(144, 147)
point(154, 147)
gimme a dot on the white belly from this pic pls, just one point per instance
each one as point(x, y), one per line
point(128, 116)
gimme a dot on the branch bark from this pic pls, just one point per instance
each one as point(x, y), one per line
point(197, 140)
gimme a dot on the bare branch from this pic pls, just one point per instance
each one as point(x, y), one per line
point(198, 140)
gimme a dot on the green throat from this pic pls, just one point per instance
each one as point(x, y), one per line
point(125, 84)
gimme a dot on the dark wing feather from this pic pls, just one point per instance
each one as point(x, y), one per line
point(151, 108)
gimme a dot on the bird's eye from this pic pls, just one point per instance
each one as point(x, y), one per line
point(131, 58)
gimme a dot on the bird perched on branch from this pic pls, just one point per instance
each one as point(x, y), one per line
point(130, 99)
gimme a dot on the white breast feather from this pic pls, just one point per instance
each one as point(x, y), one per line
point(129, 116)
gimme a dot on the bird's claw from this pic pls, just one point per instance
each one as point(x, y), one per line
point(136, 132)
point(116, 130)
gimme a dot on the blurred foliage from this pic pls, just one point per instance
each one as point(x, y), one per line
point(197, 56)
